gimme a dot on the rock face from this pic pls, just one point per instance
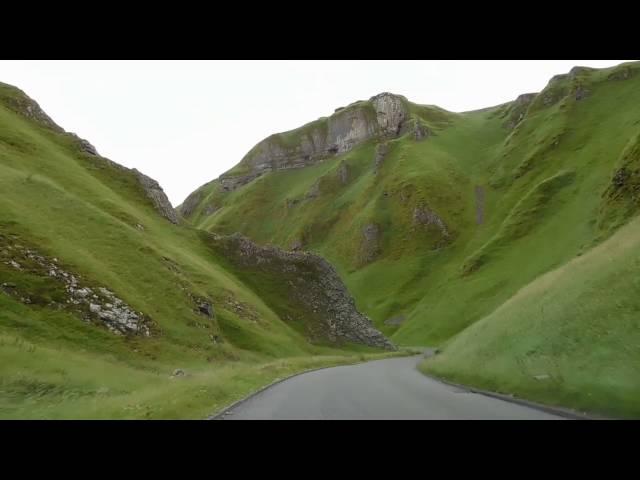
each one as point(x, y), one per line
point(84, 145)
point(370, 246)
point(381, 152)
point(381, 116)
point(391, 112)
point(420, 132)
point(190, 204)
point(157, 196)
point(518, 109)
point(424, 216)
point(20, 103)
point(93, 304)
point(319, 299)
point(343, 172)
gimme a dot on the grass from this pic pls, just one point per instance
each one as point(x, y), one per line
point(548, 199)
point(544, 286)
point(576, 328)
point(87, 212)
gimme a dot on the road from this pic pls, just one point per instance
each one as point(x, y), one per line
point(390, 389)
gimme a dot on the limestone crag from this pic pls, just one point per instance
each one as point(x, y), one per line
point(22, 104)
point(84, 145)
point(382, 116)
point(190, 204)
point(424, 216)
point(157, 196)
point(370, 247)
point(312, 286)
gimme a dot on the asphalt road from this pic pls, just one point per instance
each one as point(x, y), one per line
point(390, 389)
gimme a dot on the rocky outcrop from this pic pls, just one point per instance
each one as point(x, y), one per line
point(581, 93)
point(518, 109)
point(381, 152)
point(391, 112)
point(580, 71)
point(312, 291)
point(370, 246)
point(621, 73)
point(92, 303)
point(381, 116)
point(343, 172)
point(84, 145)
point(157, 196)
point(314, 191)
point(19, 102)
point(420, 132)
point(190, 204)
point(424, 216)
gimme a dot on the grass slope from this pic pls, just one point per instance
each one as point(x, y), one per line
point(95, 219)
point(571, 337)
point(557, 176)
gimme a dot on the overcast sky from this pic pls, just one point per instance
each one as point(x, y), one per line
point(186, 122)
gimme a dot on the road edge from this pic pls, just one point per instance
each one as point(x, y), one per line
point(224, 410)
point(559, 411)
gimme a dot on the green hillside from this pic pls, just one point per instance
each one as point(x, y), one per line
point(438, 234)
point(82, 247)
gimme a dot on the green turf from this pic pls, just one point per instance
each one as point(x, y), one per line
point(94, 217)
point(557, 185)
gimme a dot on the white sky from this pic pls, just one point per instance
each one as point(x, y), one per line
point(186, 122)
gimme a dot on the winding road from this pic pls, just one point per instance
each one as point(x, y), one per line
point(390, 389)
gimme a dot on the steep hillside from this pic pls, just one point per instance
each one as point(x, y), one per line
point(439, 220)
point(427, 220)
point(571, 337)
point(103, 294)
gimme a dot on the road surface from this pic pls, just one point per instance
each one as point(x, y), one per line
point(390, 389)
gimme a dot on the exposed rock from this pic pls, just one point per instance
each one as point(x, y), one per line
point(14, 264)
point(623, 73)
point(391, 112)
point(84, 145)
point(231, 183)
point(420, 131)
point(106, 308)
point(381, 152)
point(291, 202)
point(296, 245)
point(207, 309)
point(23, 105)
point(157, 196)
point(541, 377)
point(178, 372)
point(382, 116)
point(209, 209)
point(370, 246)
point(518, 109)
point(395, 321)
point(581, 93)
point(314, 290)
point(190, 204)
point(314, 191)
point(424, 216)
point(343, 172)
point(578, 71)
